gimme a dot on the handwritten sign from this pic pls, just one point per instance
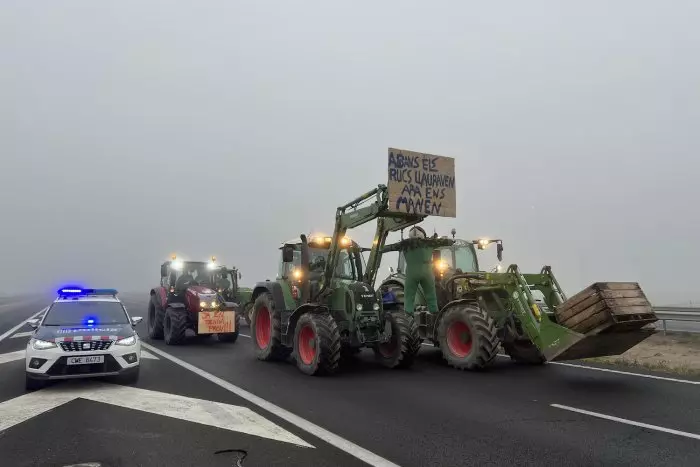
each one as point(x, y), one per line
point(216, 322)
point(421, 183)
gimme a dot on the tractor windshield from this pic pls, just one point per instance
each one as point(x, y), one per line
point(461, 257)
point(345, 269)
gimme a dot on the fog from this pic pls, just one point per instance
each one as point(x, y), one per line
point(132, 130)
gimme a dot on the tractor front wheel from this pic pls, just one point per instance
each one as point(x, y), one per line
point(266, 330)
point(230, 337)
point(248, 313)
point(175, 326)
point(155, 320)
point(467, 337)
point(317, 344)
point(404, 344)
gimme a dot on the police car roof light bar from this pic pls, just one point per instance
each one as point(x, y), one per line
point(77, 291)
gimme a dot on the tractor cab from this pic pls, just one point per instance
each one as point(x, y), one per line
point(177, 275)
point(350, 265)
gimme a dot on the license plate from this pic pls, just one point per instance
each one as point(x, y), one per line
point(86, 360)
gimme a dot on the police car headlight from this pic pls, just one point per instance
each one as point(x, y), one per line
point(375, 307)
point(38, 344)
point(127, 341)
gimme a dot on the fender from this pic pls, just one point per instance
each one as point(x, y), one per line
point(288, 332)
point(272, 287)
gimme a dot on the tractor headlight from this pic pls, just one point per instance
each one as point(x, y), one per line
point(459, 289)
point(375, 307)
point(38, 344)
point(214, 304)
point(203, 304)
point(358, 307)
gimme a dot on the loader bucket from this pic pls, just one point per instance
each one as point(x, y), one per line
point(605, 319)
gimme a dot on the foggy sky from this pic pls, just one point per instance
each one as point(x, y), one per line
point(130, 130)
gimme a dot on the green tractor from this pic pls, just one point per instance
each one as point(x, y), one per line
point(322, 305)
point(225, 281)
point(528, 314)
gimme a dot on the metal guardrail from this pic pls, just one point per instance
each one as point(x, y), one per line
point(676, 313)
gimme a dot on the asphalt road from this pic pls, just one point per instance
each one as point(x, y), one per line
point(430, 415)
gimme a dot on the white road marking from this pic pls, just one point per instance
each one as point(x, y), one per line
point(22, 334)
point(628, 422)
point(148, 355)
point(20, 325)
point(216, 414)
point(627, 373)
point(321, 433)
point(608, 370)
point(12, 356)
point(244, 335)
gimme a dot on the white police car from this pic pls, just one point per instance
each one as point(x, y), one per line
point(84, 333)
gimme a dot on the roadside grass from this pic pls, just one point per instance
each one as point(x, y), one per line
point(676, 353)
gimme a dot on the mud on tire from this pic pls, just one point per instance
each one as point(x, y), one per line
point(174, 326)
point(467, 337)
point(317, 344)
point(155, 320)
point(405, 342)
point(266, 330)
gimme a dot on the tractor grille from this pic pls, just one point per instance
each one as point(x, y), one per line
point(81, 346)
point(60, 368)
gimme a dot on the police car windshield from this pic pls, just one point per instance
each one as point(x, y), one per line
point(77, 313)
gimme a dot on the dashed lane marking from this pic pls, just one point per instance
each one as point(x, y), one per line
point(22, 334)
point(20, 325)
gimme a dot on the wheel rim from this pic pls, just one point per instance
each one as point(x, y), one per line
point(459, 338)
point(307, 345)
point(263, 326)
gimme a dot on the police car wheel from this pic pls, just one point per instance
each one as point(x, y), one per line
point(32, 384)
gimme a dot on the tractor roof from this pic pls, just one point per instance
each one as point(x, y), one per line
point(318, 241)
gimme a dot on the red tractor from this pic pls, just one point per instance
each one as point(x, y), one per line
point(186, 299)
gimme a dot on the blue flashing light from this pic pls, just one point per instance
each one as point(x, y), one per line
point(90, 321)
point(78, 291)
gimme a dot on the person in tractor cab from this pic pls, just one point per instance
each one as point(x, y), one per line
point(222, 282)
point(186, 278)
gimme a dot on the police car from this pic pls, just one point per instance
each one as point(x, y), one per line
point(84, 333)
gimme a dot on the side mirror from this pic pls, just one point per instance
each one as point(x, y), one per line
point(34, 323)
point(391, 269)
point(287, 254)
point(163, 270)
point(437, 256)
point(136, 320)
point(499, 251)
point(240, 276)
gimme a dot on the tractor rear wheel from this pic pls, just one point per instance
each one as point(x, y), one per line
point(155, 320)
point(266, 329)
point(317, 344)
point(524, 352)
point(404, 344)
point(467, 337)
point(175, 326)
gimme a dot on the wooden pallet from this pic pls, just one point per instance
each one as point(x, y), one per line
point(605, 305)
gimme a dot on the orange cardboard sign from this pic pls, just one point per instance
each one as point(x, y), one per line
point(216, 322)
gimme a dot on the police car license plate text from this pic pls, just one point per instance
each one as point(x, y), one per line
point(86, 360)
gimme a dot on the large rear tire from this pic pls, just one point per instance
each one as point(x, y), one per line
point(175, 326)
point(524, 353)
point(266, 330)
point(405, 342)
point(155, 320)
point(467, 337)
point(317, 344)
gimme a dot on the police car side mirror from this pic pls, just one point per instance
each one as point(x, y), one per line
point(136, 320)
point(34, 323)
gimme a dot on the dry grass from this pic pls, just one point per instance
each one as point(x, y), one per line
point(676, 353)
